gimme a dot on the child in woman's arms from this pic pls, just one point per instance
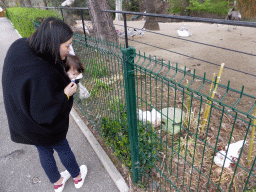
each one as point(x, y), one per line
point(74, 70)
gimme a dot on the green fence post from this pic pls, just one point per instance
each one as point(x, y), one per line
point(128, 61)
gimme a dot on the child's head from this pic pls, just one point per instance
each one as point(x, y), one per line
point(74, 66)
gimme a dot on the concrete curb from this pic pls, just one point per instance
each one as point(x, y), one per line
point(105, 160)
point(14, 28)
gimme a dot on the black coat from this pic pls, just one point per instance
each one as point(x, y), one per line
point(36, 106)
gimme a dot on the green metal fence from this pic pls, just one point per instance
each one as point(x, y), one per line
point(167, 149)
point(150, 113)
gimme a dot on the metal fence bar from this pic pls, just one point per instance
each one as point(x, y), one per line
point(82, 17)
point(188, 18)
point(125, 31)
point(72, 8)
point(128, 59)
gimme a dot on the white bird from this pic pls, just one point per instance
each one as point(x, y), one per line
point(131, 32)
point(1, 9)
point(67, 3)
point(231, 154)
point(234, 148)
point(153, 117)
point(183, 32)
point(121, 34)
point(233, 15)
point(141, 32)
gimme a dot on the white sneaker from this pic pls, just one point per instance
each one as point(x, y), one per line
point(66, 176)
point(80, 182)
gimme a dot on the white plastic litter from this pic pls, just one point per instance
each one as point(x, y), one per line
point(153, 117)
point(67, 3)
point(183, 32)
point(83, 92)
point(232, 154)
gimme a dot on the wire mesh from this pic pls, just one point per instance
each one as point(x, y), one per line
point(184, 159)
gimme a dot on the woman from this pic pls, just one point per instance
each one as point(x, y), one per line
point(38, 97)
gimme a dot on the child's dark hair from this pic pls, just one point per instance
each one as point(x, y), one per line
point(48, 37)
point(74, 61)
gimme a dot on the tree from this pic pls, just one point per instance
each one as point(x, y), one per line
point(247, 8)
point(118, 8)
point(44, 3)
point(28, 3)
point(102, 21)
point(151, 22)
point(22, 3)
point(134, 5)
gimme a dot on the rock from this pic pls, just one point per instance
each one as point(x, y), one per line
point(35, 180)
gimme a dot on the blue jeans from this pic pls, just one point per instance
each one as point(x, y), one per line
point(66, 156)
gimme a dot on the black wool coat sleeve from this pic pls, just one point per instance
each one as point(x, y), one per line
point(36, 106)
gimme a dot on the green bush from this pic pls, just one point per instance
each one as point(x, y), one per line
point(23, 18)
point(96, 67)
point(116, 134)
point(177, 6)
point(209, 6)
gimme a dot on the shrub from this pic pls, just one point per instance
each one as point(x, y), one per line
point(96, 67)
point(177, 6)
point(23, 18)
point(208, 6)
point(116, 134)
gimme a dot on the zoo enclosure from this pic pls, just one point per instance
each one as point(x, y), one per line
point(177, 154)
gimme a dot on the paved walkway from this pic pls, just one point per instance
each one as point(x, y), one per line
point(20, 168)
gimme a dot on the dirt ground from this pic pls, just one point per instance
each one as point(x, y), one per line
point(241, 39)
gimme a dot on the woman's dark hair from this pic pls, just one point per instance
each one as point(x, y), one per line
point(74, 61)
point(46, 40)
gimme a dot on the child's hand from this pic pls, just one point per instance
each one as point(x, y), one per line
point(70, 89)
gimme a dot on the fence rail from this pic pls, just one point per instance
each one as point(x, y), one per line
point(150, 113)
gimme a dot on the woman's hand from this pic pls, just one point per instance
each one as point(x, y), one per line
point(70, 89)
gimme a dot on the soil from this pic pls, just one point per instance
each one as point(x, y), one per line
point(166, 39)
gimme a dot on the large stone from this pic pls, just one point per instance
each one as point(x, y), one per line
point(171, 125)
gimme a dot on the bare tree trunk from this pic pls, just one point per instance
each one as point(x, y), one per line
point(151, 22)
point(22, 3)
point(118, 8)
point(28, 3)
point(102, 21)
point(44, 3)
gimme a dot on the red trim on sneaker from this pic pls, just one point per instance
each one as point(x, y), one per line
point(77, 181)
point(57, 186)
